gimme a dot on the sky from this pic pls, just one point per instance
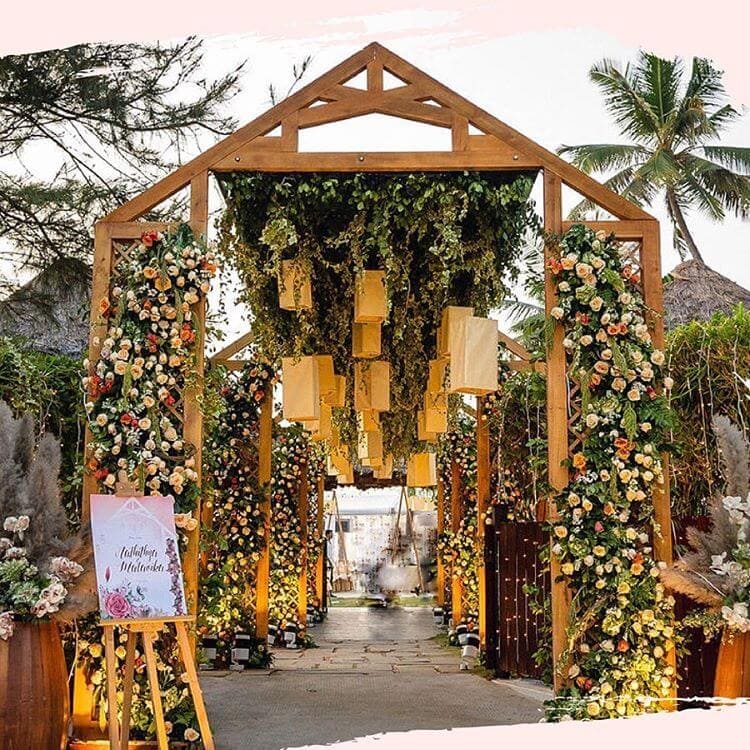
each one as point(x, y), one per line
point(529, 70)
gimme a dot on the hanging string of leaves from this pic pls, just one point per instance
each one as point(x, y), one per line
point(442, 238)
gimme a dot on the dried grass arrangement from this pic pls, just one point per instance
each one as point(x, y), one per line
point(45, 571)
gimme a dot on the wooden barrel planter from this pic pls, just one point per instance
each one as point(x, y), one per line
point(34, 706)
point(733, 667)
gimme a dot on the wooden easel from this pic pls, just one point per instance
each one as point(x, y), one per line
point(149, 631)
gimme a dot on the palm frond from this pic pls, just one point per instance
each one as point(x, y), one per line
point(624, 101)
point(732, 157)
point(659, 80)
point(602, 157)
point(728, 187)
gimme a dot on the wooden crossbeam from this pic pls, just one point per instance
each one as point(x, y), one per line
point(240, 343)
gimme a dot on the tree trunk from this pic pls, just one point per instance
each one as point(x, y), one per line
point(679, 221)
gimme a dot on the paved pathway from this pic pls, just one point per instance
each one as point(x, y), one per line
point(375, 671)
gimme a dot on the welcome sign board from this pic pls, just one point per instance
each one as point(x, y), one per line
point(138, 571)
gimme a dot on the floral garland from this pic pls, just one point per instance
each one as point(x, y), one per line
point(137, 381)
point(290, 456)
point(622, 625)
point(235, 541)
point(458, 550)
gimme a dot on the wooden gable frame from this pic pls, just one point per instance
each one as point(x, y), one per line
point(331, 98)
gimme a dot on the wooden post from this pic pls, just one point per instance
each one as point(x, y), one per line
point(456, 515)
point(320, 571)
point(302, 511)
point(483, 502)
point(557, 420)
point(440, 528)
point(192, 414)
point(653, 296)
point(262, 576)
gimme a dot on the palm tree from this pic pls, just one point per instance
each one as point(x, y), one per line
point(674, 128)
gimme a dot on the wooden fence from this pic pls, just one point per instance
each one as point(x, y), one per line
point(516, 627)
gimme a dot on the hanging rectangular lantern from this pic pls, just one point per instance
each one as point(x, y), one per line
point(372, 386)
point(370, 304)
point(323, 425)
point(422, 432)
point(300, 389)
point(373, 463)
point(338, 460)
point(436, 412)
point(436, 379)
point(385, 470)
point(474, 356)
point(334, 439)
point(295, 288)
point(370, 444)
point(337, 398)
point(368, 420)
point(421, 470)
point(366, 340)
point(451, 317)
point(326, 376)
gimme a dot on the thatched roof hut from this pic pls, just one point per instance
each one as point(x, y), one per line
point(51, 311)
point(693, 291)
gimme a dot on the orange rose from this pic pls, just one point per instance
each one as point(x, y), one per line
point(579, 461)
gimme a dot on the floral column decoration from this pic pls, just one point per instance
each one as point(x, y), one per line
point(621, 628)
point(458, 550)
point(133, 402)
point(235, 541)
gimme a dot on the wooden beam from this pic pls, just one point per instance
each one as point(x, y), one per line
point(132, 230)
point(290, 132)
point(623, 230)
point(459, 133)
point(557, 422)
point(513, 346)
point(247, 158)
point(263, 571)
point(375, 75)
point(483, 504)
point(526, 150)
point(240, 343)
point(192, 431)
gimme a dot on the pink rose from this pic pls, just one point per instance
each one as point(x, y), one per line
point(116, 605)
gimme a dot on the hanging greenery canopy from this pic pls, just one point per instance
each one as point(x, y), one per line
point(441, 238)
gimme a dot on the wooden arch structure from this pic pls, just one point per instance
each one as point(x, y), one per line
point(479, 141)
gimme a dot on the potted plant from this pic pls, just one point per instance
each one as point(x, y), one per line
point(45, 577)
point(716, 571)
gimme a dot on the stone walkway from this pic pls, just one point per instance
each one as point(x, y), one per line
point(375, 671)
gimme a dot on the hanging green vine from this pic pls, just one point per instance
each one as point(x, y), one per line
point(441, 238)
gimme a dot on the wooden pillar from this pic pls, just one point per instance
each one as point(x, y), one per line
point(192, 431)
point(456, 515)
point(483, 503)
point(262, 575)
point(320, 570)
point(653, 296)
point(440, 529)
point(557, 420)
point(302, 511)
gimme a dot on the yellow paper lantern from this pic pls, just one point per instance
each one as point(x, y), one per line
point(295, 288)
point(421, 470)
point(366, 340)
point(451, 317)
point(370, 305)
point(372, 386)
point(301, 391)
point(474, 356)
point(368, 420)
point(337, 398)
point(422, 432)
point(370, 444)
point(436, 412)
point(385, 470)
point(436, 380)
point(326, 376)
